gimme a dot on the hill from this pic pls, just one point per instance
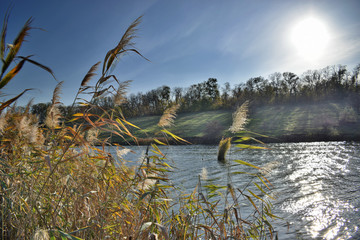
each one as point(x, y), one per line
point(287, 122)
point(307, 122)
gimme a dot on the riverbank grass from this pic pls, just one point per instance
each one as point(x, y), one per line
point(58, 181)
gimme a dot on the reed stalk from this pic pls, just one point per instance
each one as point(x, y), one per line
point(224, 147)
point(57, 184)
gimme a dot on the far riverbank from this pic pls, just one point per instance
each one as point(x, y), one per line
point(327, 121)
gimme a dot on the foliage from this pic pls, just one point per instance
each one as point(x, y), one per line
point(58, 179)
point(224, 146)
point(9, 56)
point(313, 86)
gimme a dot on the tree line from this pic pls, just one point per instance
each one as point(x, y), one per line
point(329, 83)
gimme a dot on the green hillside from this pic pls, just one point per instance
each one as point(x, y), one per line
point(199, 125)
point(300, 122)
point(321, 121)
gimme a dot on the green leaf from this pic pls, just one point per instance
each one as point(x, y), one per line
point(247, 132)
point(262, 190)
point(256, 195)
point(80, 229)
point(65, 235)
point(242, 139)
point(7, 103)
point(3, 35)
point(246, 163)
point(249, 146)
point(10, 75)
point(159, 142)
point(263, 181)
point(128, 123)
point(252, 202)
point(272, 215)
point(39, 65)
point(16, 46)
point(179, 139)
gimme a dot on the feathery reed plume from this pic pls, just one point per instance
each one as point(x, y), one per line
point(89, 74)
point(224, 146)
point(122, 47)
point(52, 117)
point(41, 234)
point(28, 106)
point(121, 153)
point(23, 126)
point(56, 93)
point(168, 117)
point(240, 118)
point(204, 174)
point(119, 97)
point(3, 122)
point(92, 135)
point(36, 135)
point(53, 113)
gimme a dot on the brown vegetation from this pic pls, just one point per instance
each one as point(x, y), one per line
point(56, 184)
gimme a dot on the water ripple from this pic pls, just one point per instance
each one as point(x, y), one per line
point(317, 184)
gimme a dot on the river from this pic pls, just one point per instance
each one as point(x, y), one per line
point(317, 184)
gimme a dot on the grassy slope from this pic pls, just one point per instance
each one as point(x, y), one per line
point(331, 119)
point(186, 124)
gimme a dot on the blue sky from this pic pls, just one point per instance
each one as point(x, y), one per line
point(186, 41)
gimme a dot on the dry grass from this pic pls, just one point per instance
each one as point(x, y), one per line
point(224, 146)
point(239, 118)
point(55, 183)
point(168, 118)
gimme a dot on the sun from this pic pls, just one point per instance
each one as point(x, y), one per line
point(310, 38)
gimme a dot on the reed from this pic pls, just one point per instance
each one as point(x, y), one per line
point(224, 147)
point(57, 184)
point(240, 118)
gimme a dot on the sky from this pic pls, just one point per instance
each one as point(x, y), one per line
point(186, 41)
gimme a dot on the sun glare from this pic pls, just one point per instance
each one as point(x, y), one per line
point(310, 38)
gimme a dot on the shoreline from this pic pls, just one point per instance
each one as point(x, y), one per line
point(293, 138)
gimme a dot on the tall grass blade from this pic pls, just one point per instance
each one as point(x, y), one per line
point(56, 93)
point(16, 46)
point(3, 36)
point(240, 118)
point(120, 95)
point(39, 65)
point(246, 146)
point(89, 74)
point(8, 102)
point(10, 75)
point(246, 164)
point(168, 117)
point(122, 46)
point(69, 236)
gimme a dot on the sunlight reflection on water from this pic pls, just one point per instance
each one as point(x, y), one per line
point(317, 184)
point(314, 172)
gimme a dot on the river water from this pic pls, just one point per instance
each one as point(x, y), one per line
point(317, 184)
